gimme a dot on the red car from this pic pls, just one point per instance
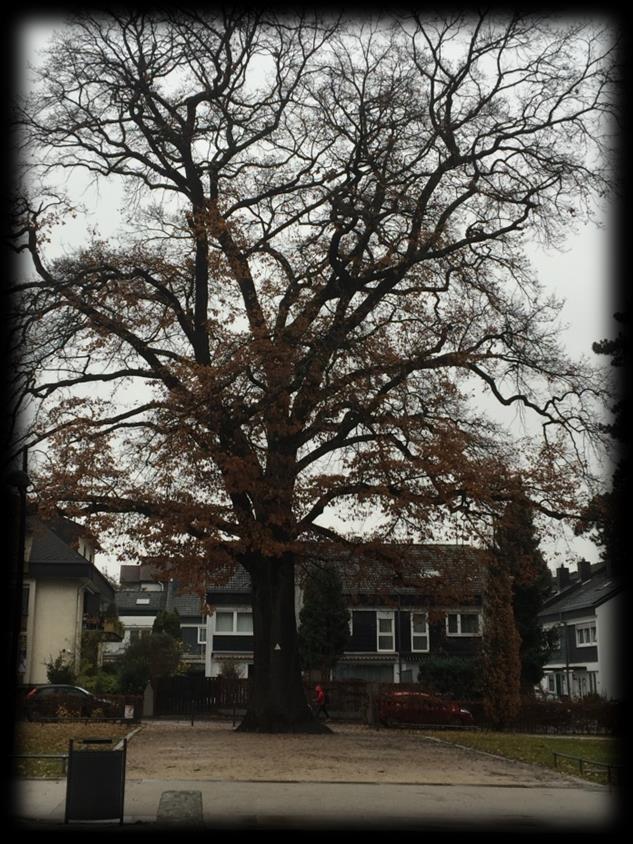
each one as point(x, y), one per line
point(409, 707)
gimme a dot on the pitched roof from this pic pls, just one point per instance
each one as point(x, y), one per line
point(48, 546)
point(397, 569)
point(187, 606)
point(408, 569)
point(70, 531)
point(51, 556)
point(127, 602)
point(587, 595)
point(152, 602)
point(238, 581)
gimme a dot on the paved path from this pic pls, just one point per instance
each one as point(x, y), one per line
point(286, 805)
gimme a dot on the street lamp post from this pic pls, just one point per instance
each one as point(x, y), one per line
point(565, 643)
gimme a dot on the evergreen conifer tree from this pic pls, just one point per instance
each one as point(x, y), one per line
point(603, 518)
point(517, 548)
point(501, 660)
point(168, 622)
point(324, 620)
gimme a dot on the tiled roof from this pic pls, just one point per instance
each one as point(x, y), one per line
point(238, 581)
point(48, 547)
point(405, 569)
point(188, 606)
point(51, 557)
point(590, 594)
point(127, 602)
point(70, 531)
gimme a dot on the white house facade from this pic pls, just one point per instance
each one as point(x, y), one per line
point(587, 612)
point(62, 590)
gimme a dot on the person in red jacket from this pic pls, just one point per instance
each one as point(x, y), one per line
point(320, 701)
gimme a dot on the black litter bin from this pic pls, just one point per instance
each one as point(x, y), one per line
point(95, 785)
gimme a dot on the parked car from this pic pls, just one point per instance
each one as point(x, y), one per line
point(45, 701)
point(411, 707)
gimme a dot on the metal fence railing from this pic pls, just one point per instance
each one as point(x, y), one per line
point(354, 700)
point(586, 766)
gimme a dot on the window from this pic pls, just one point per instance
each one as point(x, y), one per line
point(202, 635)
point(561, 683)
point(359, 671)
point(234, 622)
point(224, 622)
point(592, 676)
point(137, 633)
point(585, 683)
point(385, 629)
point(585, 634)
point(419, 632)
point(463, 624)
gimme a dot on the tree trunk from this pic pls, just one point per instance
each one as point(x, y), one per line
point(277, 702)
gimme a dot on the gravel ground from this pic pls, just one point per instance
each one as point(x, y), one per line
point(352, 753)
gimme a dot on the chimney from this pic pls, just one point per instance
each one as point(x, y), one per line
point(584, 570)
point(562, 577)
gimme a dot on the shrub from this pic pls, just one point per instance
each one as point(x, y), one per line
point(590, 716)
point(100, 682)
point(229, 671)
point(451, 675)
point(59, 671)
point(150, 657)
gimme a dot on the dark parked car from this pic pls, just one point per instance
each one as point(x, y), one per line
point(409, 707)
point(46, 701)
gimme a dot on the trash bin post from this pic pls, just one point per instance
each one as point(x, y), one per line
point(95, 782)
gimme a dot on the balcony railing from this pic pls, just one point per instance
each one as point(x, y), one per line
point(111, 628)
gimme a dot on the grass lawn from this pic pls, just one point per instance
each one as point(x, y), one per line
point(539, 750)
point(54, 738)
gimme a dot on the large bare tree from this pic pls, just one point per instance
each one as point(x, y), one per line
point(324, 256)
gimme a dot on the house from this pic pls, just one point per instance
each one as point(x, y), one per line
point(63, 594)
point(139, 599)
point(405, 603)
point(586, 610)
